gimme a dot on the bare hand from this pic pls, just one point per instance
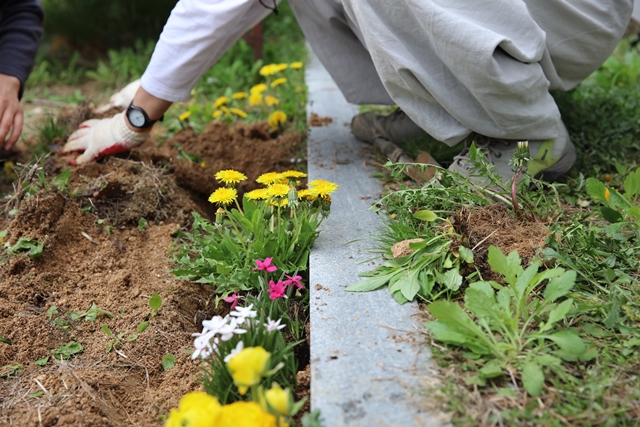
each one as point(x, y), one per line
point(11, 113)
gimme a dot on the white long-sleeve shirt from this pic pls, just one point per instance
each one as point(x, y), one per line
point(196, 35)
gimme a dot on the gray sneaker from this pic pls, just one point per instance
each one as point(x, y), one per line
point(397, 127)
point(550, 159)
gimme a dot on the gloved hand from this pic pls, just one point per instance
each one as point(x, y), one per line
point(98, 138)
point(123, 98)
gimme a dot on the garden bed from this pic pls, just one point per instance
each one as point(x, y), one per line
point(107, 232)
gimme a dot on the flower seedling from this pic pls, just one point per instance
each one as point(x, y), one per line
point(32, 246)
point(8, 370)
point(115, 339)
point(62, 180)
point(108, 228)
point(155, 302)
point(168, 362)
point(65, 351)
point(142, 224)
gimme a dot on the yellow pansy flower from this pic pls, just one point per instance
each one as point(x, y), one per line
point(248, 367)
point(196, 409)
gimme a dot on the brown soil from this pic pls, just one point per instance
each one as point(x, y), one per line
point(495, 225)
point(102, 257)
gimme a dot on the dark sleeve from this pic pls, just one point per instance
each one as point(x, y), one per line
point(20, 32)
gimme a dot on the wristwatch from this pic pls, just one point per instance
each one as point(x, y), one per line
point(139, 118)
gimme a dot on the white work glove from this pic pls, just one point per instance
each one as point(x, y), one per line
point(121, 99)
point(98, 138)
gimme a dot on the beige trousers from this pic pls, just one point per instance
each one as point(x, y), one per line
point(460, 66)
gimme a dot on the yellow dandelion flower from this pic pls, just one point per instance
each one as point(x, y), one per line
point(223, 195)
point(322, 187)
point(255, 98)
point(308, 194)
point(225, 110)
point(216, 114)
point(276, 118)
point(230, 176)
point(269, 178)
point(240, 95)
point(607, 194)
point(220, 101)
point(298, 89)
point(268, 70)
point(280, 203)
point(271, 100)
point(259, 88)
point(203, 164)
point(185, 115)
point(296, 65)
point(293, 174)
point(278, 190)
point(239, 112)
point(278, 82)
point(258, 194)
point(281, 67)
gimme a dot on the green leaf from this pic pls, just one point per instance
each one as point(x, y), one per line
point(453, 316)
point(466, 254)
point(532, 378)
point(610, 215)
point(370, 284)
point(569, 342)
point(142, 326)
point(475, 380)
point(507, 392)
point(479, 301)
point(168, 362)
point(452, 279)
point(557, 314)
point(410, 286)
point(36, 394)
point(425, 215)
point(142, 224)
point(5, 340)
point(155, 302)
point(560, 286)
point(632, 185)
point(62, 180)
point(107, 331)
point(524, 280)
point(493, 368)
point(510, 267)
point(596, 189)
point(42, 362)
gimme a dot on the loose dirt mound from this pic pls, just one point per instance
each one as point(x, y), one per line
point(94, 253)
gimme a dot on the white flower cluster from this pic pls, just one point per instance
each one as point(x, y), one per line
point(224, 328)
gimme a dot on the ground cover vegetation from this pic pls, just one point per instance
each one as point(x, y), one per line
point(205, 266)
point(530, 290)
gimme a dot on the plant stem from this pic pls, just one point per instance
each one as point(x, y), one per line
point(514, 195)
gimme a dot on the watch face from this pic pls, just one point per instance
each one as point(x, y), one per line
point(136, 118)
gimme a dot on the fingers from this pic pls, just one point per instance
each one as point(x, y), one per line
point(11, 119)
point(16, 130)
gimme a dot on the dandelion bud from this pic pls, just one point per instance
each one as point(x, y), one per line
point(219, 216)
point(267, 215)
point(292, 195)
point(290, 226)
